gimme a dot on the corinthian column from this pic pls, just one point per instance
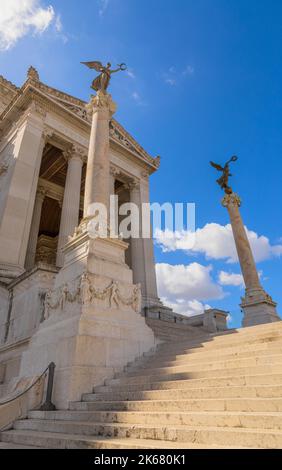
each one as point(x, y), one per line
point(35, 225)
point(71, 201)
point(257, 305)
point(98, 163)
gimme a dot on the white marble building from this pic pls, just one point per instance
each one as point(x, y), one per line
point(43, 154)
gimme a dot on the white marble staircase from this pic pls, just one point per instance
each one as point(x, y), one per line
point(225, 392)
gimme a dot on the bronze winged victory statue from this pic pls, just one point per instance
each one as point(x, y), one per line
point(223, 180)
point(101, 82)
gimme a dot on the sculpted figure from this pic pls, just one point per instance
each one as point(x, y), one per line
point(223, 180)
point(85, 291)
point(102, 82)
point(114, 299)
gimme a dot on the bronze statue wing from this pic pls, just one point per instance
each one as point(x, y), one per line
point(94, 65)
point(218, 167)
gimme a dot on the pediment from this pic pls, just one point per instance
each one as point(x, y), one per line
point(78, 107)
point(117, 132)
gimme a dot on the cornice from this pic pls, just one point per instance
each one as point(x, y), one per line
point(74, 110)
point(8, 84)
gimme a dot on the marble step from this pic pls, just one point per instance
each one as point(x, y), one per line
point(209, 365)
point(7, 445)
point(143, 379)
point(210, 393)
point(84, 409)
point(214, 435)
point(194, 353)
point(70, 441)
point(235, 406)
point(258, 420)
point(213, 345)
point(240, 380)
point(208, 357)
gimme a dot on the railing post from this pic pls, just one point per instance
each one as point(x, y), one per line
point(48, 405)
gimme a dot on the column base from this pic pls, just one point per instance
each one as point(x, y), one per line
point(258, 308)
point(10, 272)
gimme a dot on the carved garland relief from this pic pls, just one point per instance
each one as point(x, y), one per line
point(86, 293)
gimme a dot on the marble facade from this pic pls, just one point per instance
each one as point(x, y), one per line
point(45, 138)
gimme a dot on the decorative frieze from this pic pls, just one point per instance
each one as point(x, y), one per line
point(83, 292)
point(4, 167)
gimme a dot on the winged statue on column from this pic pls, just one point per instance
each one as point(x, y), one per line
point(102, 82)
point(223, 180)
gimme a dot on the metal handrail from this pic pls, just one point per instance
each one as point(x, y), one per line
point(47, 405)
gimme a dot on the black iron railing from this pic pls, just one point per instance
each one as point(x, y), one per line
point(47, 405)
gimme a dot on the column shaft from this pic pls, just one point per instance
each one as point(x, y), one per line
point(136, 244)
point(71, 202)
point(98, 162)
point(34, 230)
point(243, 247)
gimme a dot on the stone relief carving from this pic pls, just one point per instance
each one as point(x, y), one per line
point(85, 293)
point(3, 167)
point(5, 163)
point(117, 134)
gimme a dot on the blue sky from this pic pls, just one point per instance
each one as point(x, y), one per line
point(204, 83)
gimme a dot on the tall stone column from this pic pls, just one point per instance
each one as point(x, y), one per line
point(112, 180)
point(257, 305)
point(98, 163)
point(137, 250)
point(71, 201)
point(35, 224)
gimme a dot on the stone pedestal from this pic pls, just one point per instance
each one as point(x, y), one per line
point(257, 305)
point(93, 326)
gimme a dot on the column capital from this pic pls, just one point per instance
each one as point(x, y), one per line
point(47, 133)
point(132, 185)
point(101, 102)
point(41, 192)
point(231, 199)
point(114, 171)
point(76, 152)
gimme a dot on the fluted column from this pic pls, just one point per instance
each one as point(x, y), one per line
point(71, 201)
point(257, 305)
point(98, 163)
point(34, 230)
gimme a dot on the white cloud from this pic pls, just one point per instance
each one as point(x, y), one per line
point(130, 73)
point(103, 6)
point(58, 24)
point(172, 77)
point(216, 242)
point(18, 18)
point(183, 288)
point(188, 308)
point(189, 70)
point(230, 279)
point(171, 81)
point(137, 98)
